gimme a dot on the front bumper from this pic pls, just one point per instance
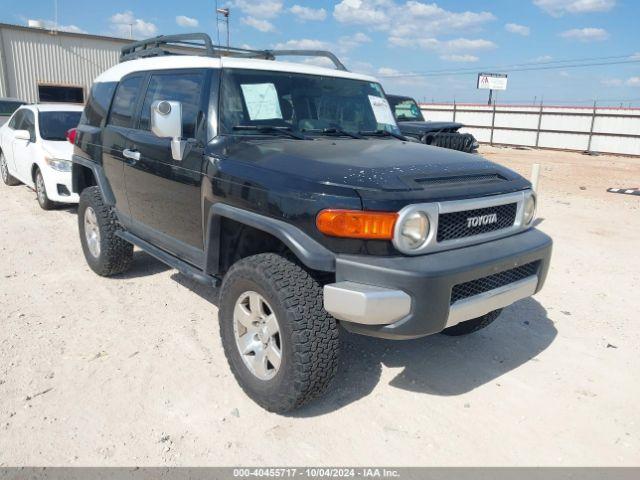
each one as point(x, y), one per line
point(410, 297)
point(58, 185)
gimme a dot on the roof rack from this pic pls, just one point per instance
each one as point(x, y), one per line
point(201, 44)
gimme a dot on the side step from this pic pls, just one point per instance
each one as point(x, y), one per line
point(184, 268)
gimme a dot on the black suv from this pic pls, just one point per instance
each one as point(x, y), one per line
point(439, 134)
point(290, 186)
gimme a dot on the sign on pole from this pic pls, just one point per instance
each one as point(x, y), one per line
point(492, 81)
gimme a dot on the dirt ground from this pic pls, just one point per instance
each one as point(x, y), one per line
point(130, 370)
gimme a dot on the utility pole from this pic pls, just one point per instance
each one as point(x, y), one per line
point(225, 12)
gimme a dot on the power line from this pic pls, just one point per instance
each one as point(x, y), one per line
point(513, 68)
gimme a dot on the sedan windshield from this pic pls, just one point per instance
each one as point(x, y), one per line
point(406, 110)
point(54, 125)
point(309, 104)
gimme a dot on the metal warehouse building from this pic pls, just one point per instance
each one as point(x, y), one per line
point(41, 65)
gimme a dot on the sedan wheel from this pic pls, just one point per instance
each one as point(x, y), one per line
point(41, 192)
point(7, 178)
point(92, 232)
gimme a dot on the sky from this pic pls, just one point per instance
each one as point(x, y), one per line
point(431, 50)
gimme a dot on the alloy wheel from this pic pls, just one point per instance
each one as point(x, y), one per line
point(92, 232)
point(257, 335)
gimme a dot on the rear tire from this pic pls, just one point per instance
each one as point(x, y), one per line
point(473, 325)
point(307, 336)
point(7, 178)
point(41, 192)
point(105, 252)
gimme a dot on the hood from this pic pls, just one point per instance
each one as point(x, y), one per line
point(58, 149)
point(377, 168)
point(424, 127)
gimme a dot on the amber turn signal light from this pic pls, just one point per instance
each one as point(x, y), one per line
point(357, 224)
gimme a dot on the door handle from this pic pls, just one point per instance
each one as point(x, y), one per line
point(131, 154)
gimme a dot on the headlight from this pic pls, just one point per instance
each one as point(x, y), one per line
point(529, 212)
point(58, 164)
point(414, 230)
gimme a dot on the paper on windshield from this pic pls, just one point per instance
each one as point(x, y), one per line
point(262, 101)
point(381, 110)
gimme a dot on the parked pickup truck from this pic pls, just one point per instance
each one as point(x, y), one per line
point(439, 134)
point(290, 187)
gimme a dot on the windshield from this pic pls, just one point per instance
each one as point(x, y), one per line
point(54, 125)
point(301, 103)
point(406, 110)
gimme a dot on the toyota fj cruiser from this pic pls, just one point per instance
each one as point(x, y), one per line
point(291, 187)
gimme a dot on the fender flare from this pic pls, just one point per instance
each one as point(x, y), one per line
point(98, 173)
point(311, 253)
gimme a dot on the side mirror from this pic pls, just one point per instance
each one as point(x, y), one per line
point(166, 122)
point(22, 135)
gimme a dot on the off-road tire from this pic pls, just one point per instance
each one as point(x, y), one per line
point(7, 178)
point(309, 335)
point(473, 325)
point(41, 191)
point(115, 253)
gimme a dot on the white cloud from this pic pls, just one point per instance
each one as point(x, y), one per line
point(456, 45)
point(517, 29)
point(395, 77)
point(184, 21)
point(125, 22)
point(543, 58)
point(557, 8)
point(588, 34)
point(612, 82)
point(353, 41)
point(262, 9)
point(459, 58)
point(468, 44)
point(259, 24)
point(51, 25)
point(635, 56)
point(564, 74)
point(633, 82)
point(306, 13)
point(409, 18)
point(303, 44)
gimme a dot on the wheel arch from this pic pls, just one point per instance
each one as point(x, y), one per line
point(256, 233)
point(86, 173)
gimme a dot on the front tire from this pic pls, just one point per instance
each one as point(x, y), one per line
point(105, 252)
point(473, 325)
point(281, 345)
point(7, 178)
point(41, 192)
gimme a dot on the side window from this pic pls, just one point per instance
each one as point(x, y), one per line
point(98, 105)
point(16, 120)
point(124, 103)
point(29, 123)
point(185, 88)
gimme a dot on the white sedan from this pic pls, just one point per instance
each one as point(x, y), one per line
point(34, 150)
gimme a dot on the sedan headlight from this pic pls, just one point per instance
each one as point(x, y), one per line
point(529, 211)
point(58, 164)
point(414, 230)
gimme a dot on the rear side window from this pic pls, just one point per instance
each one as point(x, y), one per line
point(124, 103)
point(7, 107)
point(185, 88)
point(98, 105)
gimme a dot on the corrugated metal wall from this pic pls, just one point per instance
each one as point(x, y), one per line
point(29, 57)
point(600, 129)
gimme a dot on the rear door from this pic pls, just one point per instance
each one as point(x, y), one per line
point(165, 194)
point(116, 138)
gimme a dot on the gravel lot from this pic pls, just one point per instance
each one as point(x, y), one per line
point(130, 370)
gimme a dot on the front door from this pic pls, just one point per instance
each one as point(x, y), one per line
point(24, 151)
point(165, 194)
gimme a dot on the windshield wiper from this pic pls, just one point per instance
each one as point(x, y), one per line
point(288, 131)
point(333, 131)
point(382, 133)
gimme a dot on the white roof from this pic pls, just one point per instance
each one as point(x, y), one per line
point(55, 107)
point(114, 74)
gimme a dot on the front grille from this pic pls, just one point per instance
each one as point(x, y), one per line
point(466, 179)
point(497, 280)
point(455, 224)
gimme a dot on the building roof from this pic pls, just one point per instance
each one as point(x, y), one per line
point(49, 31)
point(115, 73)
